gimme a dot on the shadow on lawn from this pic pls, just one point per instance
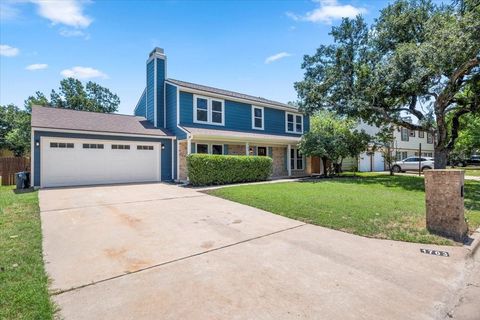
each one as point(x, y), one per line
point(411, 183)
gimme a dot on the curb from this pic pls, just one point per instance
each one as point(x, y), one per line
point(473, 247)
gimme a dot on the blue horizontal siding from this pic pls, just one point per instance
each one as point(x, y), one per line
point(166, 154)
point(140, 107)
point(150, 95)
point(238, 117)
point(160, 92)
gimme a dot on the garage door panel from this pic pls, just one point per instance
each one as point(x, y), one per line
point(82, 166)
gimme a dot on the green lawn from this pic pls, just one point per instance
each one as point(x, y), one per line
point(373, 205)
point(472, 171)
point(23, 283)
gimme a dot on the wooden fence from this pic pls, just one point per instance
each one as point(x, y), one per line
point(11, 165)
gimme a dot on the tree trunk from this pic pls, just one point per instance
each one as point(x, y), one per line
point(324, 161)
point(440, 155)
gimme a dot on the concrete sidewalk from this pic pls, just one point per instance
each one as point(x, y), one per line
point(157, 251)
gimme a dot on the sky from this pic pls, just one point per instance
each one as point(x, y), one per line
point(253, 47)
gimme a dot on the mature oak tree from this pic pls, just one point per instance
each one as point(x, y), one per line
point(418, 59)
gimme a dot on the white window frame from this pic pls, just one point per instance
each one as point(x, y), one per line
point(295, 159)
point(209, 110)
point(405, 137)
point(210, 147)
point(253, 118)
point(294, 122)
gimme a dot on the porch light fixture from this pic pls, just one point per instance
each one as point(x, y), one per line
point(163, 146)
point(37, 143)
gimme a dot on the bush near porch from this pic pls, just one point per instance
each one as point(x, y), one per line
point(206, 169)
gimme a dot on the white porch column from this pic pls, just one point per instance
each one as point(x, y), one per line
point(289, 166)
point(247, 149)
point(189, 146)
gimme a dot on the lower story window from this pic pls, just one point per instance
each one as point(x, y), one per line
point(262, 151)
point(202, 148)
point(217, 149)
point(296, 159)
point(400, 155)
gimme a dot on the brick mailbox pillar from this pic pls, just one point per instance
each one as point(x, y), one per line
point(445, 207)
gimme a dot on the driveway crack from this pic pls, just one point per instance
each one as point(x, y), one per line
point(125, 202)
point(58, 292)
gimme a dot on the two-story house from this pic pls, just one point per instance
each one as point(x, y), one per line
point(172, 119)
point(406, 143)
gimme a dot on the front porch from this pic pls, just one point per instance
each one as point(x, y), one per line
point(282, 150)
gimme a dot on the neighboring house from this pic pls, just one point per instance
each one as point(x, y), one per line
point(406, 143)
point(172, 119)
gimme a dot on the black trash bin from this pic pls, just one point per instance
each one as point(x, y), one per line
point(22, 180)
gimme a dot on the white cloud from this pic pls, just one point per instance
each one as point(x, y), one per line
point(83, 73)
point(65, 32)
point(67, 12)
point(37, 66)
point(277, 56)
point(328, 11)
point(8, 51)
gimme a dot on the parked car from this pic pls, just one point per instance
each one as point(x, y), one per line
point(412, 164)
point(472, 161)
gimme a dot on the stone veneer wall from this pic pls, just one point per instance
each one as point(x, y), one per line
point(278, 157)
point(236, 150)
point(182, 161)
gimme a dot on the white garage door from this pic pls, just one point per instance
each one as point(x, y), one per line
point(371, 162)
point(70, 162)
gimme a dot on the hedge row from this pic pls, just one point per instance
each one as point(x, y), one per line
point(206, 169)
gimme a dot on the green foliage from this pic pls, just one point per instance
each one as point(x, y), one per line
point(205, 169)
point(15, 123)
point(333, 138)
point(73, 95)
point(468, 141)
point(14, 129)
point(413, 60)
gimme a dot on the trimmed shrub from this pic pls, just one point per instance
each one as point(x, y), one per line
point(207, 169)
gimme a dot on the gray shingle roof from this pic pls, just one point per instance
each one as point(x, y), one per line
point(246, 136)
point(57, 118)
point(228, 93)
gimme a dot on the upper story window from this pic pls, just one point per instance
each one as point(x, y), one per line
point(258, 118)
point(405, 134)
point(421, 134)
point(294, 123)
point(208, 110)
point(429, 137)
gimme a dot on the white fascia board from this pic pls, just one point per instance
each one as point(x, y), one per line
point(119, 134)
point(267, 141)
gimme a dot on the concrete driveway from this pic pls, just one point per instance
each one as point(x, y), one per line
point(158, 251)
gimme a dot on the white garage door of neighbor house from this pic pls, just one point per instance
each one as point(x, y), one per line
point(70, 162)
point(373, 162)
